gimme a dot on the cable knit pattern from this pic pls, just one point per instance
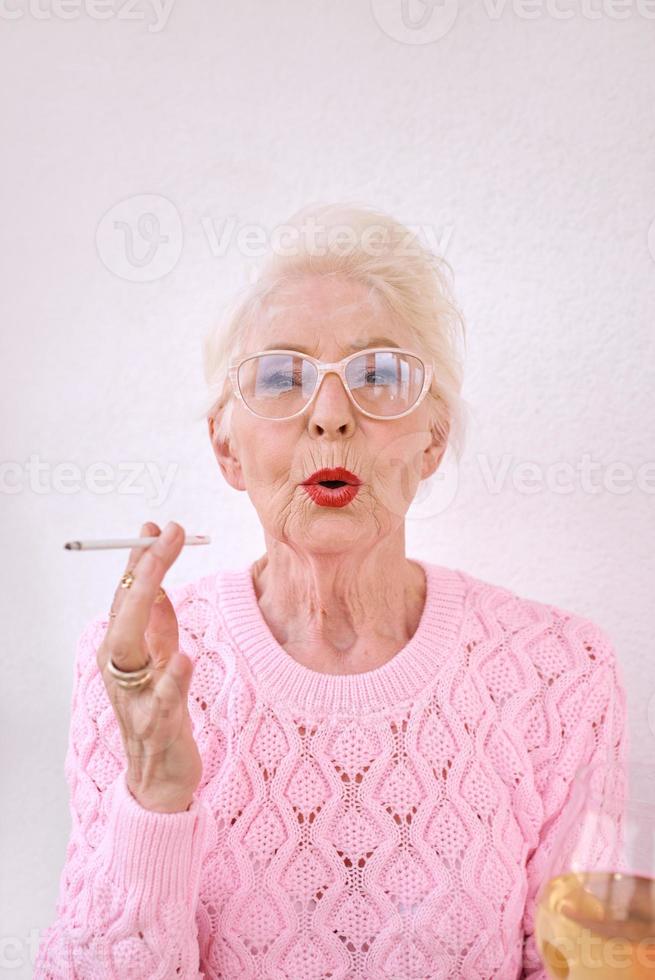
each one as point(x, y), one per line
point(388, 824)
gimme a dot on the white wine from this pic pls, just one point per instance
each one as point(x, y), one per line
point(597, 925)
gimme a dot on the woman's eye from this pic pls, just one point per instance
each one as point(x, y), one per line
point(278, 381)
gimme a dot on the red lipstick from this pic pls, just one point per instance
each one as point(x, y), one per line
point(333, 487)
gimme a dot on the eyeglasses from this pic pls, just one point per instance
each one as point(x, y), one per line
point(382, 382)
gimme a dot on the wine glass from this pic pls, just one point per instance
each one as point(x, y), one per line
point(595, 910)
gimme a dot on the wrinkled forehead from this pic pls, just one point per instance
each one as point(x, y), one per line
point(310, 311)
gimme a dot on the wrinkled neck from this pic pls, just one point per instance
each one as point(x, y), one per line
point(323, 607)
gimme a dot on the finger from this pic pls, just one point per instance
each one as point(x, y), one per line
point(136, 553)
point(135, 609)
point(162, 633)
point(149, 529)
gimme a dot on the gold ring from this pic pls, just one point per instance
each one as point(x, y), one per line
point(130, 678)
point(161, 595)
point(127, 579)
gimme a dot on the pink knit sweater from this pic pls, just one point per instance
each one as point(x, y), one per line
point(387, 824)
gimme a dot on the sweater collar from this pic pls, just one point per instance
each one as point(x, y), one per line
point(281, 679)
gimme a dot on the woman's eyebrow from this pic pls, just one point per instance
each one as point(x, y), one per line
point(356, 345)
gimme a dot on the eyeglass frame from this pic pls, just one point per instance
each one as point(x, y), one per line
point(332, 367)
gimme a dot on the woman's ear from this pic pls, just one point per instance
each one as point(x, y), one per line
point(434, 451)
point(224, 453)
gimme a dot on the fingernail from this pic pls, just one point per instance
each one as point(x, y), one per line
point(169, 531)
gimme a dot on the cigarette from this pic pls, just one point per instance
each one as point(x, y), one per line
point(130, 542)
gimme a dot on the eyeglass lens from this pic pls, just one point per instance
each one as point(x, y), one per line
point(279, 385)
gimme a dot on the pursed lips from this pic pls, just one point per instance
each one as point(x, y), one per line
point(333, 477)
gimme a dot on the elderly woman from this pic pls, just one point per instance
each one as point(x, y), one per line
point(337, 761)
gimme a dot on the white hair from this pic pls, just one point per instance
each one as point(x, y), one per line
point(401, 274)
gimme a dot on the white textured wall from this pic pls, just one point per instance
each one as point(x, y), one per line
point(520, 138)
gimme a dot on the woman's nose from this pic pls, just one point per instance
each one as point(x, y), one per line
point(332, 410)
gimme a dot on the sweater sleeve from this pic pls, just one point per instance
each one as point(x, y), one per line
point(128, 892)
point(586, 720)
